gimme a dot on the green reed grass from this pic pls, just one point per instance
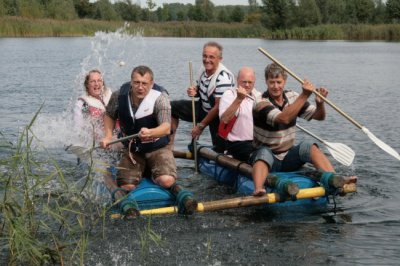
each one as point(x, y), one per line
point(44, 218)
point(358, 32)
point(148, 237)
point(25, 27)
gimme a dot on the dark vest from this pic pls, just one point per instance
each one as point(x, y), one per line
point(143, 117)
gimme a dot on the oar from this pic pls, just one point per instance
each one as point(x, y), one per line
point(269, 198)
point(194, 119)
point(377, 141)
point(82, 151)
point(342, 153)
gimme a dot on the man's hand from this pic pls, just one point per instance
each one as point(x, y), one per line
point(241, 93)
point(104, 142)
point(146, 134)
point(308, 87)
point(197, 130)
point(324, 92)
point(192, 91)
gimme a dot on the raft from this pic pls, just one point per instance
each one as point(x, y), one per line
point(303, 189)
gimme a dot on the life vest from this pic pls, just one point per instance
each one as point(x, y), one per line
point(131, 122)
point(95, 107)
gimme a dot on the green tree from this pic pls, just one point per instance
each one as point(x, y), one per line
point(237, 14)
point(196, 13)
point(84, 8)
point(335, 12)
point(10, 7)
point(308, 13)
point(61, 9)
point(223, 16)
point(379, 15)
point(180, 15)
point(350, 12)
point(163, 13)
point(127, 10)
point(105, 11)
point(393, 10)
point(207, 9)
point(2, 8)
point(277, 14)
point(364, 10)
point(29, 9)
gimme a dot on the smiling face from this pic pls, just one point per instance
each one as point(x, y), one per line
point(94, 84)
point(211, 58)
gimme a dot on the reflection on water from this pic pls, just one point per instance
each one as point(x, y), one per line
point(361, 77)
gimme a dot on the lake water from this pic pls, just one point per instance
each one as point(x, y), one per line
point(363, 79)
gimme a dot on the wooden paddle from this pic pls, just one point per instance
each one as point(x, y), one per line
point(83, 152)
point(342, 153)
point(196, 170)
point(269, 198)
point(377, 141)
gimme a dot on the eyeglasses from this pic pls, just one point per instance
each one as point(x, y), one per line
point(95, 81)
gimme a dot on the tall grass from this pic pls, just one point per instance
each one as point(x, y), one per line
point(359, 32)
point(44, 218)
point(25, 27)
point(190, 29)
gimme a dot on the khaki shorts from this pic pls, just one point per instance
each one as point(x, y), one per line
point(152, 164)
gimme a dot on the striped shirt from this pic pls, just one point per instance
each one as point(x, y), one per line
point(223, 82)
point(278, 137)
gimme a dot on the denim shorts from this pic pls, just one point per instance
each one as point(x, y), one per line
point(296, 157)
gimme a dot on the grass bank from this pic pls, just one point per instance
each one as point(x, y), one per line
point(24, 27)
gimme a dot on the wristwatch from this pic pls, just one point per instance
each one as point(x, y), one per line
point(201, 126)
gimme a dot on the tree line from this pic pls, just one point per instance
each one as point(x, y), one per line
point(272, 14)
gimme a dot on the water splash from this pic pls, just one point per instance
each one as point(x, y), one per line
point(112, 53)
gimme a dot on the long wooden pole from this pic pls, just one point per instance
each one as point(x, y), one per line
point(377, 141)
point(269, 198)
point(194, 119)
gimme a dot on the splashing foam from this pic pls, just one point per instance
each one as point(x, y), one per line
point(109, 51)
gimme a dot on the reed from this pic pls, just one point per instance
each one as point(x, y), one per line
point(44, 217)
point(358, 32)
point(147, 238)
point(189, 29)
point(25, 27)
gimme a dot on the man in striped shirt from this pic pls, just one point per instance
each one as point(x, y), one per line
point(275, 127)
point(214, 80)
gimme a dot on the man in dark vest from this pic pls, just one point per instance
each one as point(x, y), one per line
point(143, 108)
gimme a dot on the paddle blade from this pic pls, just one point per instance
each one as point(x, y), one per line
point(80, 152)
point(381, 144)
point(341, 152)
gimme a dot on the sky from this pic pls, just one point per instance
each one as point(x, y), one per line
point(215, 2)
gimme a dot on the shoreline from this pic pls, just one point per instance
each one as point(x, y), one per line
point(30, 28)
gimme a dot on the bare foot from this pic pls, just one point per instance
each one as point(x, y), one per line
point(259, 192)
point(350, 179)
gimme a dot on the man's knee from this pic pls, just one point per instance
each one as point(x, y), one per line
point(165, 181)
